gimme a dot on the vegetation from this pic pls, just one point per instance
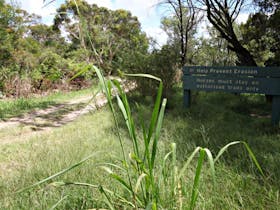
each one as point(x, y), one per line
point(83, 34)
point(15, 107)
point(125, 163)
point(187, 128)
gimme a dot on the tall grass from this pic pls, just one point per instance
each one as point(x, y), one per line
point(144, 179)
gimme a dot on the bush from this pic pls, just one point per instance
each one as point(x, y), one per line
point(160, 63)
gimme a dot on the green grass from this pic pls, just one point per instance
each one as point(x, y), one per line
point(214, 120)
point(15, 107)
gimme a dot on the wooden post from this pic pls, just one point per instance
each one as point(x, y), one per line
point(275, 116)
point(187, 98)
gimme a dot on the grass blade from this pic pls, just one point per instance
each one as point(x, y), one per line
point(211, 162)
point(93, 186)
point(56, 205)
point(188, 163)
point(58, 184)
point(157, 103)
point(144, 76)
point(157, 132)
point(125, 108)
point(251, 154)
point(83, 70)
point(108, 200)
point(139, 180)
point(253, 157)
point(163, 171)
point(59, 173)
point(225, 148)
point(117, 178)
point(155, 112)
point(197, 179)
point(174, 167)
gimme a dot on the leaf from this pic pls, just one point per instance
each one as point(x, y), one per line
point(197, 179)
point(211, 162)
point(157, 132)
point(251, 154)
point(83, 70)
point(188, 162)
point(145, 76)
point(139, 180)
point(56, 205)
point(224, 149)
point(108, 200)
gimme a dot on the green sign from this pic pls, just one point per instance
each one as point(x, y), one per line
point(262, 80)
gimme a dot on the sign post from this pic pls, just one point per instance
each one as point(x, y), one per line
point(236, 79)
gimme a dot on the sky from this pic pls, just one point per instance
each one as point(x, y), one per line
point(148, 14)
point(146, 11)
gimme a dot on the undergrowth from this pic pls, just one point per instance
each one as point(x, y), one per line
point(144, 180)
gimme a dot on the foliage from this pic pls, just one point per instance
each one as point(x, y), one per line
point(38, 58)
point(261, 34)
point(212, 51)
point(35, 57)
point(108, 35)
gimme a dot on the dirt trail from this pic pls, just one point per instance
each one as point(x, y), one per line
point(52, 117)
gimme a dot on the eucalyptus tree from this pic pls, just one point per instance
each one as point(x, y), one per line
point(107, 34)
point(212, 51)
point(261, 33)
point(222, 15)
point(7, 32)
point(182, 23)
point(257, 37)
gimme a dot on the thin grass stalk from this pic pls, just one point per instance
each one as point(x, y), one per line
point(108, 200)
point(57, 203)
point(82, 184)
point(125, 108)
point(109, 98)
point(155, 125)
point(58, 174)
point(174, 167)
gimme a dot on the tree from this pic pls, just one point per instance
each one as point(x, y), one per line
point(107, 34)
point(270, 11)
point(257, 37)
point(222, 15)
point(184, 20)
point(212, 51)
point(7, 34)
